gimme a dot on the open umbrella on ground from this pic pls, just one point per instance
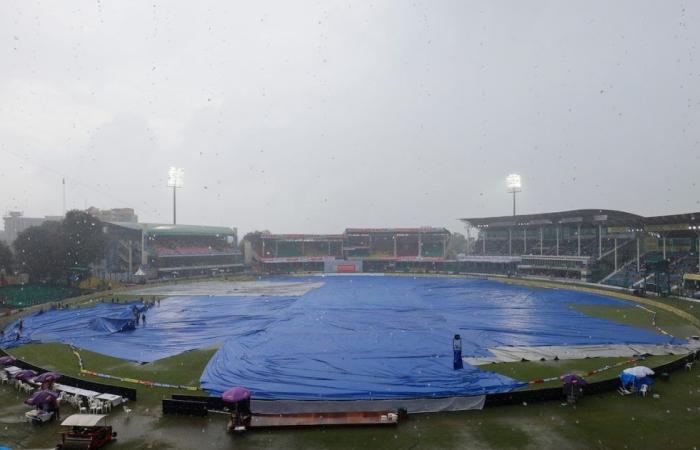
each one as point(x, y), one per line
point(239, 398)
point(236, 394)
point(47, 376)
point(573, 379)
point(6, 360)
point(639, 371)
point(573, 387)
point(41, 397)
point(25, 375)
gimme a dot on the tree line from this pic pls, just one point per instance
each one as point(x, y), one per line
point(56, 250)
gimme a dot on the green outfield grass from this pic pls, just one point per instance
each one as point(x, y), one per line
point(183, 369)
point(531, 370)
point(642, 318)
point(606, 421)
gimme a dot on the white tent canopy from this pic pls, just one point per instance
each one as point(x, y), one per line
point(84, 420)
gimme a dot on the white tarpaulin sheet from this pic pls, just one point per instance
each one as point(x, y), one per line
point(514, 354)
point(231, 288)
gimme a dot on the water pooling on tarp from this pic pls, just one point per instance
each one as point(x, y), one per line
point(351, 337)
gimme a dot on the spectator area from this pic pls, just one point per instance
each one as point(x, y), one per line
point(22, 296)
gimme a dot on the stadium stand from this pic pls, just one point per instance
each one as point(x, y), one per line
point(613, 247)
point(616, 248)
point(165, 251)
point(373, 249)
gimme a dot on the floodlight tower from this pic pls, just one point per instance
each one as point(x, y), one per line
point(514, 184)
point(175, 176)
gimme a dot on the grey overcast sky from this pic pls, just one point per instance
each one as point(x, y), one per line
point(315, 116)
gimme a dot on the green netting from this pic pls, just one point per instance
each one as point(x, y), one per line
point(288, 249)
point(22, 296)
point(432, 250)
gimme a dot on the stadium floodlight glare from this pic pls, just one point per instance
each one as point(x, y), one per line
point(514, 184)
point(175, 177)
point(513, 181)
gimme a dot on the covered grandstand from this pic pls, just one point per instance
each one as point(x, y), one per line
point(165, 251)
point(613, 247)
point(356, 250)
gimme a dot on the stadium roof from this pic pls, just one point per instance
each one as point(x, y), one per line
point(305, 237)
point(606, 217)
point(689, 218)
point(575, 217)
point(161, 229)
point(395, 230)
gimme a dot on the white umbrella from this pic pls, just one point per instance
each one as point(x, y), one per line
point(639, 371)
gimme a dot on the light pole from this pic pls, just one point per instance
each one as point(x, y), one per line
point(175, 176)
point(514, 184)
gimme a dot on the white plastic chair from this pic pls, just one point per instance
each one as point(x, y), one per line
point(643, 390)
point(96, 406)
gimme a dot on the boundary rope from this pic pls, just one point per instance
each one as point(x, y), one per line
point(148, 383)
point(590, 373)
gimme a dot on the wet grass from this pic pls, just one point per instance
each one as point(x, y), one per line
point(547, 425)
point(642, 318)
point(606, 421)
point(183, 369)
point(600, 421)
point(628, 315)
point(531, 370)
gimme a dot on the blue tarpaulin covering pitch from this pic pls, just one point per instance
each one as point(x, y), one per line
point(177, 325)
point(355, 337)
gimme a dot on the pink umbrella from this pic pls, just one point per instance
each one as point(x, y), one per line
point(47, 376)
point(25, 375)
point(41, 397)
point(573, 379)
point(6, 360)
point(236, 394)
